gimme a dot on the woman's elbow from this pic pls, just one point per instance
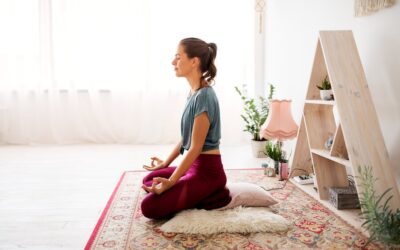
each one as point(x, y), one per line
point(196, 150)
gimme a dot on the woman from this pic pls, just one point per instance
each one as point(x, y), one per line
point(199, 180)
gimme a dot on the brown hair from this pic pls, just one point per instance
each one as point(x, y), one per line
point(206, 52)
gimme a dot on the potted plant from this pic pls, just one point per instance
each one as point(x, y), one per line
point(325, 89)
point(254, 117)
point(274, 151)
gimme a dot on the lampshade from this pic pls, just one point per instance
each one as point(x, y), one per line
point(279, 124)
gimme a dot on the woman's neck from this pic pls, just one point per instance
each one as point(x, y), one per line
point(194, 82)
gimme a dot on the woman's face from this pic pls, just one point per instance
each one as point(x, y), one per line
point(183, 65)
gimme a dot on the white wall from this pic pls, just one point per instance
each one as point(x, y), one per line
point(291, 35)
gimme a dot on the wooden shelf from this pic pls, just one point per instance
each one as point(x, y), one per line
point(356, 134)
point(326, 154)
point(320, 102)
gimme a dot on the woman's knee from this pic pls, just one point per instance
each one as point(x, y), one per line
point(152, 210)
point(147, 208)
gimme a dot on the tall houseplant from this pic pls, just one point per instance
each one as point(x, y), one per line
point(255, 115)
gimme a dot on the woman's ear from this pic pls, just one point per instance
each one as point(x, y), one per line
point(195, 62)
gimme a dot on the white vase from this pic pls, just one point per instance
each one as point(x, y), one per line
point(258, 148)
point(326, 94)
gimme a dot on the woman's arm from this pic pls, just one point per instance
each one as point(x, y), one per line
point(199, 133)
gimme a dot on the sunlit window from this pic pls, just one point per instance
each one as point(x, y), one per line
point(118, 44)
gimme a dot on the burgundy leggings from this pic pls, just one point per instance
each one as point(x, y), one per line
point(202, 186)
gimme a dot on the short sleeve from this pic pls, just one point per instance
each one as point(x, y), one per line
point(203, 104)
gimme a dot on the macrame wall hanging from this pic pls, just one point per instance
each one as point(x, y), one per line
point(260, 4)
point(367, 7)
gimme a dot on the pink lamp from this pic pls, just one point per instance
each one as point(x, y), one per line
point(281, 126)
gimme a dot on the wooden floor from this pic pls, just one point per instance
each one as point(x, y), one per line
point(51, 196)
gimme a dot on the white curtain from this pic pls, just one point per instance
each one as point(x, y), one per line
point(99, 71)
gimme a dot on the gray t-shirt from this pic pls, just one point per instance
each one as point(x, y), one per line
point(203, 100)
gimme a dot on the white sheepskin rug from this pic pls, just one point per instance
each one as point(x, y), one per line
point(235, 220)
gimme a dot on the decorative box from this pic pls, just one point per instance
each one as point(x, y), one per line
point(344, 197)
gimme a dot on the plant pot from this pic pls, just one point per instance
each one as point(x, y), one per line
point(326, 95)
point(283, 171)
point(276, 167)
point(258, 148)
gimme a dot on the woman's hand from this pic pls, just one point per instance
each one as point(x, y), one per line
point(159, 185)
point(158, 164)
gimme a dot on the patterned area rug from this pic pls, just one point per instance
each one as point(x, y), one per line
point(122, 225)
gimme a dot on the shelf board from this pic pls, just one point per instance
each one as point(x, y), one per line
point(327, 155)
point(320, 102)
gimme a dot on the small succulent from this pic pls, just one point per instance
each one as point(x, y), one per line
point(325, 84)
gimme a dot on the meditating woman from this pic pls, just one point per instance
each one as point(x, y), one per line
point(199, 180)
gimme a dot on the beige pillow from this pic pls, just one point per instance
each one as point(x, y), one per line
point(248, 195)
